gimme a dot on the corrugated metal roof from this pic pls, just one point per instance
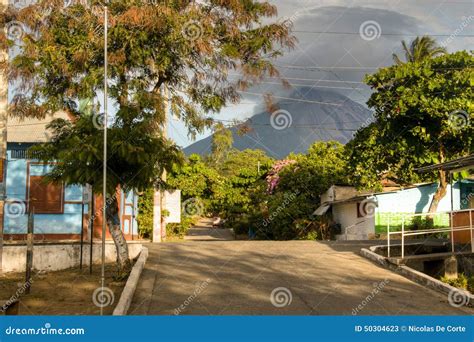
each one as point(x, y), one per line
point(458, 164)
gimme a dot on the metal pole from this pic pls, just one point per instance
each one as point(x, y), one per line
point(403, 236)
point(104, 179)
point(451, 186)
point(452, 233)
point(470, 229)
point(163, 175)
point(388, 236)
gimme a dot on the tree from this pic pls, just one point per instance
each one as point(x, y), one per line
point(241, 173)
point(423, 115)
point(222, 141)
point(297, 194)
point(419, 49)
point(188, 47)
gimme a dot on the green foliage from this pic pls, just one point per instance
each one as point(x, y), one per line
point(419, 49)
point(145, 214)
point(236, 190)
point(462, 282)
point(194, 178)
point(222, 141)
point(288, 212)
point(240, 183)
point(423, 115)
point(178, 52)
point(179, 230)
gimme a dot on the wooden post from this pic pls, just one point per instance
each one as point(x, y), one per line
point(29, 249)
point(84, 192)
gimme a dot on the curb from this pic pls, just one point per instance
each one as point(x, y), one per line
point(420, 278)
point(436, 284)
point(129, 290)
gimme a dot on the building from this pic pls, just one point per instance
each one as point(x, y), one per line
point(61, 212)
point(364, 214)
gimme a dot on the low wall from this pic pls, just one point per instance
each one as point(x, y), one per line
point(54, 257)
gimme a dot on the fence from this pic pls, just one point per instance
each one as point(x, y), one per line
point(440, 224)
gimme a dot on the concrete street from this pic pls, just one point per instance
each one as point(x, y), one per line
point(238, 277)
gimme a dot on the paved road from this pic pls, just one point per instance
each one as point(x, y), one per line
point(203, 231)
point(238, 277)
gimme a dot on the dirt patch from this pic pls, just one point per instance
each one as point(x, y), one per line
point(67, 292)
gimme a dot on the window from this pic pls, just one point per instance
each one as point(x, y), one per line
point(45, 198)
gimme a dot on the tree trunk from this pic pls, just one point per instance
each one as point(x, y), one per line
point(113, 221)
point(440, 192)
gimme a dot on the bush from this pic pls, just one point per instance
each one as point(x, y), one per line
point(462, 282)
point(145, 214)
point(180, 229)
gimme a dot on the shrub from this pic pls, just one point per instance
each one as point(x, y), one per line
point(460, 282)
point(180, 229)
point(145, 214)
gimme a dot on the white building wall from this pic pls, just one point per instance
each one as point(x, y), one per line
point(346, 215)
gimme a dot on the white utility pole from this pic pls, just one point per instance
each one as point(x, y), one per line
point(104, 179)
point(163, 176)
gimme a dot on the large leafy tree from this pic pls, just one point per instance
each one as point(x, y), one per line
point(186, 46)
point(419, 49)
point(296, 196)
point(423, 115)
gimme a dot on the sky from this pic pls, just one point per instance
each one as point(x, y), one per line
point(339, 41)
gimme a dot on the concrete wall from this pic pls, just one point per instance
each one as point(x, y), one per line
point(53, 257)
point(346, 215)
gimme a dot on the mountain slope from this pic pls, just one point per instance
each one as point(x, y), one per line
point(296, 125)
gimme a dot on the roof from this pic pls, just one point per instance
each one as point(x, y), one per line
point(31, 130)
point(458, 164)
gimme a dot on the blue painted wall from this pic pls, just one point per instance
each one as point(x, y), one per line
point(16, 216)
point(417, 200)
point(69, 222)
